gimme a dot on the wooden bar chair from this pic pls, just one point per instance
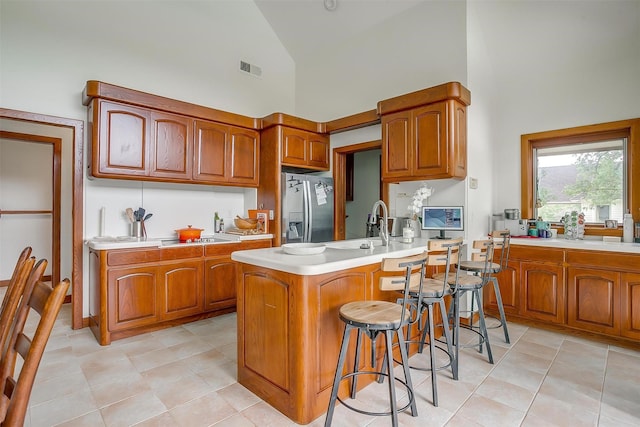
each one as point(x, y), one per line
point(15, 392)
point(13, 294)
point(380, 317)
point(441, 253)
point(502, 240)
point(472, 284)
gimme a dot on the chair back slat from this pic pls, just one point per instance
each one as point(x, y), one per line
point(46, 301)
point(414, 272)
point(502, 240)
point(446, 253)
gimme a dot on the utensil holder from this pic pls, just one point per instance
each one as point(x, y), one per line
point(137, 229)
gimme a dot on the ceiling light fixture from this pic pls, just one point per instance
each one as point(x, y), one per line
point(330, 4)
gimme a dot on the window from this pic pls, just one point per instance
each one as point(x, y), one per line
point(593, 169)
point(588, 178)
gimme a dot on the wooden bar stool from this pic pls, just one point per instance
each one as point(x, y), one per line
point(441, 253)
point(380, 317)
point(502, 240)
point(473, 284)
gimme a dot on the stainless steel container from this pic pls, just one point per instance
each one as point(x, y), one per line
point(512, 214)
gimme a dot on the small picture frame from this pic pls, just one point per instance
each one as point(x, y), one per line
point(610, 223)
point(263, 223)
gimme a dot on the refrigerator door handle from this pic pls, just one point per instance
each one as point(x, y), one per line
point(307, 211)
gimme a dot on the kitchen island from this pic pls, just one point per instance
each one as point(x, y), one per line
point(289, 330)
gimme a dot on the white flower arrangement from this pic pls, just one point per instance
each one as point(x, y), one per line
point(418, 199)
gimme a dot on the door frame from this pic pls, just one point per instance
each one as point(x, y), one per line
point(55, 195)
point(340, 182)
point(77, 134)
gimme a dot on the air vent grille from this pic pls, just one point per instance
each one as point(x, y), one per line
point(254, 70)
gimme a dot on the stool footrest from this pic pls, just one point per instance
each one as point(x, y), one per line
point(377, 373)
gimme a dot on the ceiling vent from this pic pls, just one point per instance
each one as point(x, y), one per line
point(254, 70)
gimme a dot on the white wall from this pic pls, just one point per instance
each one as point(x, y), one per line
point(422, 47)
point(50, 49)
point(536, 66)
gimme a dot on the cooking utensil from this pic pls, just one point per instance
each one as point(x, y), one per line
point(141, 212)
point(189, 233)
point(147, 216)
point(129, 213)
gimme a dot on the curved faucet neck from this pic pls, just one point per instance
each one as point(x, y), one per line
point(384, 231)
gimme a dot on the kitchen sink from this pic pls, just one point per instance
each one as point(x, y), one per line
point(354, 243)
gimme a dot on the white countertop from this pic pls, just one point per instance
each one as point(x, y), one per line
point(338, 255)
point(126, 242)
point(587, 244)
point(345, 254)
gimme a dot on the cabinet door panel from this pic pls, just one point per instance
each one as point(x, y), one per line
point(430, 134)
point(244, 156)
point(132, 298)
point(593, 300)
point(172, 146)
point(543, 292)
point(182, 290)
point(319, 152)
point(509, 283)
point(294, 147)
point(459, 138)
point(210, 149)
point(630, 302)
point(396, 145)
point(266, 332)
point(219, 284)
point(122, 145)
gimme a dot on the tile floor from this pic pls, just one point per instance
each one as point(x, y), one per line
point(186, 376)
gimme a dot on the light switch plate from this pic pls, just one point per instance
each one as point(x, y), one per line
point(473, 183)
point(270, 213)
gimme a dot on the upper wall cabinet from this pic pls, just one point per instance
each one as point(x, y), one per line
point(138, 141)
point(304, 149)
point(225, 154)
point(424, 134)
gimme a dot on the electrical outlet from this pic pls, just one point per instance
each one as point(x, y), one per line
point(270, 213)
point(473, 183)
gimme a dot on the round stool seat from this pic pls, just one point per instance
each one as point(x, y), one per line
point(372, 314)
point(465, 281)
point(432, 288)
point(479, 266)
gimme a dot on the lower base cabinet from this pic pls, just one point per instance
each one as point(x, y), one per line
point(133, 291)
point(593, 291)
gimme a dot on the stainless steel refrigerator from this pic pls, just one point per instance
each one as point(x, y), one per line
point(307, 208)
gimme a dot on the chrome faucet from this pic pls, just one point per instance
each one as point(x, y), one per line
point(384, 229)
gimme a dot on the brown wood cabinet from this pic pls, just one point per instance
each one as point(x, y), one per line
point(428, 140)
point(304, 149)
point(630, 305)
point(594, 300)
point(133, 142)
point(226, 154)
point(137, 290)
point(594, 291)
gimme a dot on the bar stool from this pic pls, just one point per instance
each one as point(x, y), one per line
point(373, 318)
point(502, 240)
point(440, 253)
point(473, 284)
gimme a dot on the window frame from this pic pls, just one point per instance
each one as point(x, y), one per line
point(629, 129)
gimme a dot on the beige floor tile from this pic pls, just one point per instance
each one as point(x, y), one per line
point(163, 420)
point(490, 413)
point(118, 388)
point(238, 396)
point(133, 410)
point(506, 393)
point(236, 420)
point(63, 409)
point(204, 411)
point(182, 391)
point(535, 349)
point(262, 414)
point(92, 419)
point(548, 410)
point(54, 387)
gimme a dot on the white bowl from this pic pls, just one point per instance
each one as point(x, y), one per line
point(303, 248)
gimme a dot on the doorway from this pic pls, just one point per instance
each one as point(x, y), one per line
point(343, 180)
point(71, 134)
point(30, 200)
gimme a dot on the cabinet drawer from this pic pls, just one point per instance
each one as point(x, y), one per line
point(145, 255)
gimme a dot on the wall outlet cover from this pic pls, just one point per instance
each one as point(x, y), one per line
point(473, 183)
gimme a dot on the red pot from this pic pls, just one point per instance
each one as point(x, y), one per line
point(189, 233)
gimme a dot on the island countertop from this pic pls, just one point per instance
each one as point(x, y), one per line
point(338, 255)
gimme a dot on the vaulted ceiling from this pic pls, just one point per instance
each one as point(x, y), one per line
point(306, 27)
